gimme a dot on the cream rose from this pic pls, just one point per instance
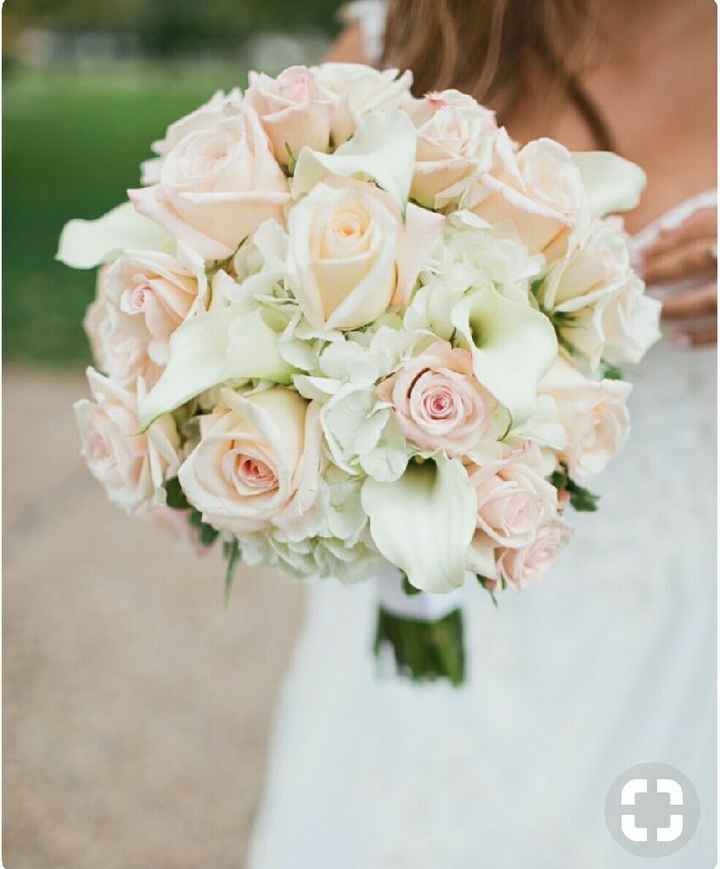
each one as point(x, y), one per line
point(132, 466)
point(594, 270)
point(514, 500)
point(536, 193)
point(359, 89)
point(142, 297)
point(257, 463)
point(351, 255)
point(219, 106)
point(593, 414)
point(520, 566)
point(438, 403)
point(455, 137)
point(630, 322)
point(294, 111)
point(216, 186)
point(584, 282)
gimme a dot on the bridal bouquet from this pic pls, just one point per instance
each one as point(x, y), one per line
point(356, 334)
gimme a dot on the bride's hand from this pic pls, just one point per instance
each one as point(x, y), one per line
point(688, 253)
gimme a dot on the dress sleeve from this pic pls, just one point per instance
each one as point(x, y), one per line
point(370, 15)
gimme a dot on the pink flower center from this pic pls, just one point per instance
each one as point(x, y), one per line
point(439, 403)
point(255, 473)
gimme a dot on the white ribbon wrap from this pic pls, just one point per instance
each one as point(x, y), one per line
point(423, 606)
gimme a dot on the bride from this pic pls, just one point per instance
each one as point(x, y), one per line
point(610, 662)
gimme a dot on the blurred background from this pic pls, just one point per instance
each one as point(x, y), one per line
point(137, 707)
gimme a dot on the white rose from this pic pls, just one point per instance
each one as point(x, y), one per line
point(293, 110)
point(455, 137)
point(536, 193)
point(216, 186)
point(631, 322)
point(360, 89)
point(257, 463)
point(131, 465)
point(351, 254)
point(514, 500)
point(219, 106)
point(593, 414)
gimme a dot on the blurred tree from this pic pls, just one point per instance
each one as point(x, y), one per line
point(171, 26)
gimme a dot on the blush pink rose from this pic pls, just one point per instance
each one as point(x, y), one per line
point(142, 297)
point(216, 186)
point(293, 109)
point(130, 464)
point(438, 403)
point(257, 463)
point(219, 106)
point(520, 566)
point(593, 414)
point(514, 500)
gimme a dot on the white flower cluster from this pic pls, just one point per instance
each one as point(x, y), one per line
point(343, 325)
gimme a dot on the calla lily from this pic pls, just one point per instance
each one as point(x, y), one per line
point(512, 346)
point(85, 244)
point(424, 522)
point(225, 343)
point(612, 183)
point(382, 149)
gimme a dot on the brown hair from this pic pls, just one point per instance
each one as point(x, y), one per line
point(487, 47)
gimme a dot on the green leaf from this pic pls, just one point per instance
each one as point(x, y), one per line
point(175, 495)
point(232, 554)
point(611, 372)
point(581, 499)
point(409, 590)
point(424, 651)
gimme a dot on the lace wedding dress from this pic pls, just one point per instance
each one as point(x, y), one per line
point(609, 662)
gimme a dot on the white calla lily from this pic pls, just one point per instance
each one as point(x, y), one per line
point(424, 522)
point(612, 183)
point(225, 343)
point(512, 345)
point(85, 244)
point(382, 149)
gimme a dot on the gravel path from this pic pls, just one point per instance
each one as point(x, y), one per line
point(137, 707)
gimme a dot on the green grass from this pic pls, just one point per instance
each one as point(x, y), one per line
point(72, 146)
